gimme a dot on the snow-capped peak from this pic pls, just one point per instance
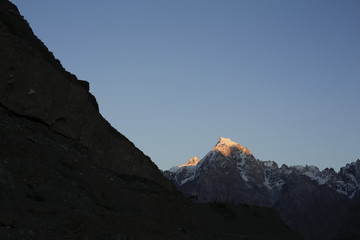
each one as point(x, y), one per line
point(192, 162)
point(230, 158)
point(224, 146)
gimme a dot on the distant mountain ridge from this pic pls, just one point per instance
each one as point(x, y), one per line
point(230, 173)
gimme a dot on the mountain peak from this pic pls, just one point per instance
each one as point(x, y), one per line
point(192, 162)
point(226, 141)
point(224, 146)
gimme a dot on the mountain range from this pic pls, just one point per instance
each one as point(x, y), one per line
point(317, 204)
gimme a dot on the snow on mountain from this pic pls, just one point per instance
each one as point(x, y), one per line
point(183, 173)
point(310, 201)
point(192, 162)
point(225, 147)
point(227, 154)
point(348, 179)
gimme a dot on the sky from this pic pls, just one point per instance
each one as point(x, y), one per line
point(280, 77)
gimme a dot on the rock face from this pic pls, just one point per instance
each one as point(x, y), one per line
point(317, 204)
point(35, 85)
point(65, 173)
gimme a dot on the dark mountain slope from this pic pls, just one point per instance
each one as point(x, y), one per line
point(34, 85)
point(65, 173)
point(50, 190)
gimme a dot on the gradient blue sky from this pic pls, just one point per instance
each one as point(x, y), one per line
point(281, 77)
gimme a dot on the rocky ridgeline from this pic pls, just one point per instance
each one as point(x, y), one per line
point(35, 85)
point(309, 200)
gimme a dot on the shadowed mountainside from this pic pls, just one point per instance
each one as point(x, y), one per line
point(35, 85)
point(65, 173)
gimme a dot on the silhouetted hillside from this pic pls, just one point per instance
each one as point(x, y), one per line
point(65, 173)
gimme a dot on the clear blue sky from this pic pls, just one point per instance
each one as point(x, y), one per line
point(281, 77)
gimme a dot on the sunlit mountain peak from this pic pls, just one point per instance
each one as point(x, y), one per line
point(192, 162)
point(224, 145)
